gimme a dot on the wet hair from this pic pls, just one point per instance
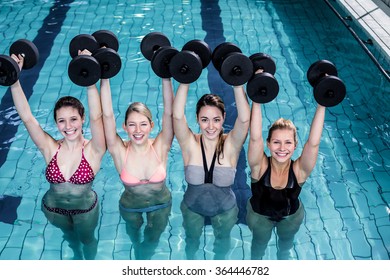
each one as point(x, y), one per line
point(68, 101)
point(215, 101)
point(140, 108)
point(282, 124)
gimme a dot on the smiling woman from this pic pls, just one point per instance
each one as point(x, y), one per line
point(141, 163)
point(346, 198)
point(72, 162)
point(277, 180)
point(210, 161)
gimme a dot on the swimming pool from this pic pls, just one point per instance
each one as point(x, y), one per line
point(348, 194)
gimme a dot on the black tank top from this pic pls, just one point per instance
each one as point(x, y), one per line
point(276, 204)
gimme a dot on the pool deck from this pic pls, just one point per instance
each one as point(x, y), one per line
point(374, 17)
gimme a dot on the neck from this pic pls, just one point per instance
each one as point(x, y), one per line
point(209, 145)
point(74, 144)
point(143, 148)
point(280, 168)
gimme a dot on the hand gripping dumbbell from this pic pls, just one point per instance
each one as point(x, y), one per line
point(187, 65)
point(328, 89)
point(157, 48)
point(105, 63)
point(234, 67)
point(9, 69)
point(262, 87)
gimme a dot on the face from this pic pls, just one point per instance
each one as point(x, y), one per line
point(138, 127)
point(281, 144)
point(69, 122)
point(210, 121)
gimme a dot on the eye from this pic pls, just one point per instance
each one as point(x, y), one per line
point(204, 120)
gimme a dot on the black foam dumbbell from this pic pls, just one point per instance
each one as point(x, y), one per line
point(262, 86)
point(9, 69)
point(107, 53)
point(156, 48)
point(187, 65)
point(329, 90)
point(83, 70)
point(104, 63)
point(234, 67)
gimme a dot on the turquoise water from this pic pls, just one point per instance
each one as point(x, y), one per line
point(347, 196)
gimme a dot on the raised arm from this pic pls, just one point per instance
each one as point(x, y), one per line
point(42, 140)
point(166, 133)
point(256, 142)
point(308, 158)
point(239, 132)
point(114, 142)
point(96, 122)
point(182, 131)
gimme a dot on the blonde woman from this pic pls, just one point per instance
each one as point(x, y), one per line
point(141, 163)
point(277, 180)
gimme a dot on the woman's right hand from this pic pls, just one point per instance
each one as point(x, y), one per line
point(84, 52)
point(19, 60)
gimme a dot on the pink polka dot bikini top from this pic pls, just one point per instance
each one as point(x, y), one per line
point(83, 175)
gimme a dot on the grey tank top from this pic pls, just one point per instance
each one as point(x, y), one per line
point(209, 199)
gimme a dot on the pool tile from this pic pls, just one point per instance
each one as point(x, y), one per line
point(335, 173)
point(10, 253)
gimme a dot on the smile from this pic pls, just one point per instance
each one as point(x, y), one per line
point(70, 132)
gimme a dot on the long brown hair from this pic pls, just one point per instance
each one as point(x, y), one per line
point(215, 101)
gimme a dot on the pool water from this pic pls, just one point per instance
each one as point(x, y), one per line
point(347, 196)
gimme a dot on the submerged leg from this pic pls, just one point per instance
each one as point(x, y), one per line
point(261, 228)
point(65, 223)
point(85, 225)
point(286, 230)
point(193, 224)
point(222, 226)
point(156, 223)
point(74, 243)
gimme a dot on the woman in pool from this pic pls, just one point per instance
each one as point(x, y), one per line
point(277, 180)
point(72, 163)
point(210, 159)
point(141, 163)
